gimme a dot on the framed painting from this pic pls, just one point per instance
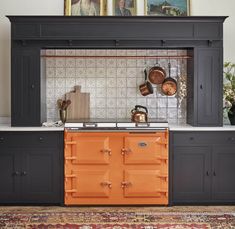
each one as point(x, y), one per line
point(167, 7)
point(124, 8)
point(85, 7)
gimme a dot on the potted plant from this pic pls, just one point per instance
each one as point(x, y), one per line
point(229, 90)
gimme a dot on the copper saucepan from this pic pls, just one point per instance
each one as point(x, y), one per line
point(169, 85)
point(157, 74)
point(146, 88)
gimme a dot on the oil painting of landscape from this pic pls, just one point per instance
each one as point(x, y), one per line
point(167, 7)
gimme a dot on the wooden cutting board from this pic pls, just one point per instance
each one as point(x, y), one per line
point(80, 104)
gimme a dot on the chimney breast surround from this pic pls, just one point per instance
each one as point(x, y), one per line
point(201, 36)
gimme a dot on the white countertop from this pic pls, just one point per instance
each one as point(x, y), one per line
point(8, 127)
point(186, 127)
point(172, 127)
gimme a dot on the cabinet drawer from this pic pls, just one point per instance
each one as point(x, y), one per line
point(31, 139)
point(203, 138)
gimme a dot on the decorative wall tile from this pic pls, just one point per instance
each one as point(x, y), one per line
point(121, 82)
point(100, 63)
point(101, 92)
point(121, 92)
point(101, 113)
point(91, 82)
point(60, 62)
point(142, 101)
point(50, 62)
point(131, 92)
point(70, 72)
point(80, 52)
point(121, 72)
point(131, 82)
point(60, 72)
point(50, 72)
point(90, 62)
point(70, 62)
point(60, 52)
point(70, 52)
point(100, 72)
point(111, 72)
point(101, 82)
point(111, 92)
point(121, 102)
point(111, 103)
point(121, 112)
point(113, 83)
point(80, 63)
point(90, 72)
point(121, 63)
point(70, 82)
point(50, 83)
point(100, 102)
point(131, 72)
point(60, 82)
point(111, 52)
point(111, 113)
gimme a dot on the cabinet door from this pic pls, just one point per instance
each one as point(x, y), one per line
point(90, 149)
point(88, 182)
point(191, 174)
point(209, 87)
point(145, 149)
point(145, 183)
point(25, 93)
point(40, 176)
point(9, 175)
point(223, 167)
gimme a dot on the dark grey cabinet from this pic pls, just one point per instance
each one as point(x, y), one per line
point(191, 173)
point(209, 99)
point(25, 87)
point(31, 171)
point(223, 173)
point(205, 81)
point(203, 167)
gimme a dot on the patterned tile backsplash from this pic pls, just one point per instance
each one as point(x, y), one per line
point(113, 83)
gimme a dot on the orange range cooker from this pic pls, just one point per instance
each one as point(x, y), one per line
point(109, 162)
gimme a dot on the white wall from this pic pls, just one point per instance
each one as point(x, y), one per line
point(55, 7)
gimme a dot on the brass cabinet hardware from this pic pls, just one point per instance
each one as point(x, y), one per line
point(126, 184)
point(107, 151)
point(125, 151)
point(106, 183)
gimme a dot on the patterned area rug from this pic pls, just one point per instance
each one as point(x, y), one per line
point(115, 218)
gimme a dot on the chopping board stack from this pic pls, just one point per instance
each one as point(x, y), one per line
point(80, 104)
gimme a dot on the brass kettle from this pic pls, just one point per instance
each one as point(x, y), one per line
point(139, 116)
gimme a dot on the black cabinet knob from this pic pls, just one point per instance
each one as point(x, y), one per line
point(214, 173)
point(231, 139)
point(191, 138)
point(207, 173)
point(16, 173)
point(32, 86)
point(1, 139)
point(40, 139)
point(23, 173)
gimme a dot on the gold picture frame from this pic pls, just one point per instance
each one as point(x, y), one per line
point(129, 9)
point(167, 8)
point(73, 8)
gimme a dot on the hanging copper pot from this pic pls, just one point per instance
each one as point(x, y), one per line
point(157, 74)
point(169, 85)
point(146, 88)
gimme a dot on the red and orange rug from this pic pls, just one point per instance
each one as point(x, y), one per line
point(114, 218)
